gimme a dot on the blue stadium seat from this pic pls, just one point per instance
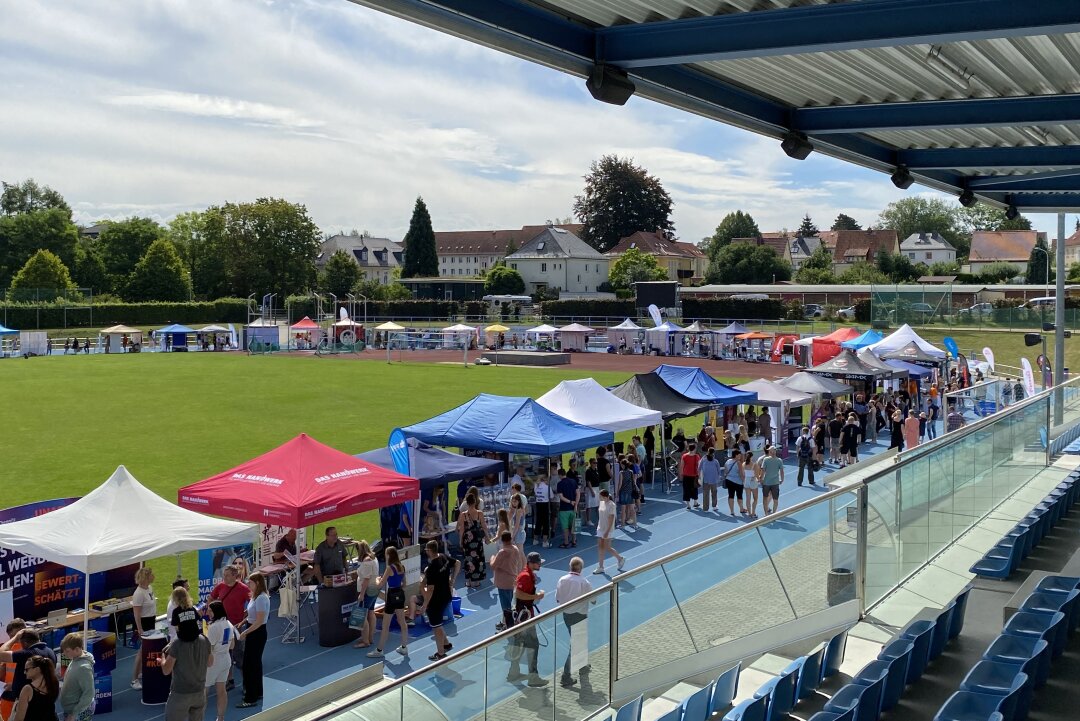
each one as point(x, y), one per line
point(895, 680)
point(1059, 584)
point(898, 654)
point(1032, 655)
point(968, 706)
point(941, 631)
point(1049, 626)
point(990, 566)
point(752, 709)
point(875, 672)
point(848, 715)
point(920, 633)
point(956, 624)
point(1052, 602)
point(1001, 679)
point(810, 676)
point(834, 655)
point(629, 711)
point(866, 699)
point(674, 714)
point(725, 687)
point(696, 706)
point(781, 693)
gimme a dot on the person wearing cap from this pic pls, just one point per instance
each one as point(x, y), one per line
point(572, 586)
point(525, 597)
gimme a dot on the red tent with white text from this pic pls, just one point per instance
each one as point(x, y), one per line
point(827, 347)
point(298, 484)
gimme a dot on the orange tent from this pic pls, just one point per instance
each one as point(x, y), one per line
point(753, 335)
point(784, 339)
point(827, 347)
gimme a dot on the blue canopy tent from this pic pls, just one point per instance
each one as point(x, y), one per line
point(697, 385)
point(911, 368)
point(507, 424)
point(6, 331)
point(176, 334)
point(868, 338)
point(434, 466)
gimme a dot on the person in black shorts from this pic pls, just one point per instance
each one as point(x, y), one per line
point(836, 426)
point(849, 440)
point(437, 596)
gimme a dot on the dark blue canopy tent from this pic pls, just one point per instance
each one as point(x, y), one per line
point(434, 466)
point(911, 368)
point(179, 335)
point(697, 385)
point(507, 424)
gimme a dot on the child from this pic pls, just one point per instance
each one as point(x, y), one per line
point(542, 529)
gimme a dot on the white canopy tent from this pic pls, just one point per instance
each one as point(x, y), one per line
point(660, 337)
point(778, 400)
point(901, 337)
point(574, 336)
point(587, 402)
point(625, 333)
point(119, 522)
point(114, 337)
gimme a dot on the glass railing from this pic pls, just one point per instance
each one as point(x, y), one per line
point(754, 577)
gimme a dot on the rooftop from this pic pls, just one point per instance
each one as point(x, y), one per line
point(491, 242)
point(555, 242)
point(656, 244)
point(1004, 245)
point(925, 241)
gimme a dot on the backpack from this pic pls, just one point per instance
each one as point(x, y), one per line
point(805, 449)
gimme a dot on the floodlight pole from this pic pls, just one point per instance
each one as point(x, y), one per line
point(1059, 322)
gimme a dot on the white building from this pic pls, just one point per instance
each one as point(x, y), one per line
point(377, 257)
point(556, 258)
point(472, 253)
point(927, 248)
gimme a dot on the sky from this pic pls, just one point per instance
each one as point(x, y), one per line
point(159, 108)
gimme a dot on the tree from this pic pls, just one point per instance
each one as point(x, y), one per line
point(501, 280)
point(340, 274)
point(89, 269)
point(159, 275)
point(203, 259)
point(733, 225)
point(807, 229)
point(123, 243)
point(916, 214)
point(1074, 269)
point(23, 234)
point(845, 222)
point(986, 217)
point(29, 197)
point(998, 272)
point(620, 199)
point(44, 275)
point(899, 269)
point(421, 256)
point(633, 266)
point(944, 267)
point(817, 269)
point(862, 273)
point(1037, 265)
point(747, 263)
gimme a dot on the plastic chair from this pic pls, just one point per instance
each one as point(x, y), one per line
point(674, 714)
point(899, 651)
point(695, 707)
point(780, 691)
point(1032, 655)
point(990, 566)
point(920, 633)
point(1049, 626)
point(1053, 602)
point(956, 623)
point(630, 711)
point(1059, 584)
point(941, 631)
point(1001, 679)
point(970, 706)
point(865, 699)
point(834, 655)
point(724, 687)
point(752, 709)
point(876, 672)
point(810, 676)
point(895, 681)
point(848, 715)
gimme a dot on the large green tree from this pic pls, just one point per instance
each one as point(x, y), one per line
point(502, 280)
point(998, 272)
point(159, 275)
point(1037, 265)
point(986, 217)
point(421, 255)
point(633, 266)
point(747, 263)
point(898, 268)
point(43, 277)
point(817, 269)
point(23, 234)
point(862, 273)
point(202, 257)
point(807, 229)
point(916, 214)
point(124, 242)
point(621, 198)
point(28, 197)
point(89, 269)
point(845, 222)
point(733, 225)
point(340, 274)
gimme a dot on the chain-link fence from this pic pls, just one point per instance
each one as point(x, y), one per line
point(936, 305)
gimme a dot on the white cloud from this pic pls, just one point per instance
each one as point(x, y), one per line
point(215, 106)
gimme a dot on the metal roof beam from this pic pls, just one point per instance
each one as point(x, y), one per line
point(1065, 179)
point(821, 28)
point(1043, 203)
point(936, 114)
point(1043, 156)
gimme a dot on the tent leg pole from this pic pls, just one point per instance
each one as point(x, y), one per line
point(86, 607)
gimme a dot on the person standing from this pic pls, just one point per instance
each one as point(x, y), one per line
point(804, 451)
point(709, 470)
point(911, 430)
point(836, 428)
point(605, 529)
point(821, 434)
point(394, 579)
point(772, 475)
point(955, 420)
point(31, 645)
point(603, 468)
point(751, 483)
point(8, 669)
point(648, 439)
point(764, 424)
point(474, 534)
point(624, 491)
point(733, 482)
point(643, 471)
point(688, 469)
point(77, 691)
point(254, 638)
point(187, 660)
point(849, 440)
point(517, 520)
point(437, 595)
point(570, 587)
point(542, 508)
point(525, 597)
point(233, 594)
point(591, 489)
point(932, 419)
point(37, 698)
point(896, 431)
point(569, 495)
point(222, 637)
point(329, 557)
point(368, 591)
point(144, 609)
point(505, 565)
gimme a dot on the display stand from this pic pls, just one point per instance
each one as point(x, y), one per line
point(155, 684)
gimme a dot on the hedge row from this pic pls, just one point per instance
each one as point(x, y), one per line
point(701, 308)
point(589, 308)
point(27, 317)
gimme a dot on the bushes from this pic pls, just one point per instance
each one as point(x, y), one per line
point(863, 310)
point(696, 308)
point(22, 316)
point(588, 308)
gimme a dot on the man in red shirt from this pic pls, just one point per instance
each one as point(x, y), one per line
point(689, 472)
point(233, 594)
point(525, 597)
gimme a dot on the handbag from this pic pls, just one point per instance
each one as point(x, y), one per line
point(358, 617)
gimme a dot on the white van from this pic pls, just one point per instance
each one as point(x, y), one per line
point(1047, 301)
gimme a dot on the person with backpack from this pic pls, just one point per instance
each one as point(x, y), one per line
point(526, 642)
point(804, 450)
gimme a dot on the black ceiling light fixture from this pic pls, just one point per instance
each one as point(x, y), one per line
point(1011, 212)
point(901, 178)
point(796, 145)
point(610, 85)
point(967, 198)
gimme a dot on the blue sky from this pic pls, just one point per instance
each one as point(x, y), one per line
point(158, 108)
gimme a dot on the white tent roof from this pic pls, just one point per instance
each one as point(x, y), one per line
point(389, 325)
point(733, 329)
point(575, 328)
point(900, 338)
point(120, 329)
point(770, 393)
point(460, 328)
point(805, 341)
point(212, 329)
point(347, 323)
point(587, 402)
point(543, 329)
point(666, 327)
point(696, 327)
point(626, 325)
point(120, 522)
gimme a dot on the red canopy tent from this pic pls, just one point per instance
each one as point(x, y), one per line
point(827, 347)
point(305, 323)
point(298, 484)
point(779, 343)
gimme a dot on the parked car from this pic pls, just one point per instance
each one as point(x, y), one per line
point(812, 311)
point(846, 313)
point(915, 311)
point(979, 310)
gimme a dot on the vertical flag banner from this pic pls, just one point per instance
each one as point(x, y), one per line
point(950, 345)
point(1029, 377)
point(988, 354)
point(399, 451)
point(654, 313)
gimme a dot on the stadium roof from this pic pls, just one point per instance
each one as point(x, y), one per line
point(964, 95)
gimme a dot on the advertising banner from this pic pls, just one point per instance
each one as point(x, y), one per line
point(988, 354)
point(212, 561)
point(1029, 377)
